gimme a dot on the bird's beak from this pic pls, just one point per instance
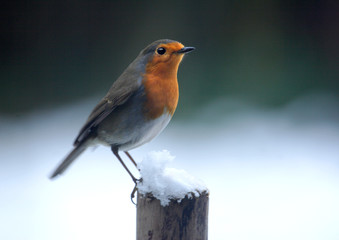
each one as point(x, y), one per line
point(186, 49)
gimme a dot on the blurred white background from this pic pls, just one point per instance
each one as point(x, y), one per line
point(272, 174)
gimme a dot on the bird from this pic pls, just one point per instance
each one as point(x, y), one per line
point(137, 107)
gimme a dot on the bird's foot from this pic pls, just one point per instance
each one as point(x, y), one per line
point(136, 181)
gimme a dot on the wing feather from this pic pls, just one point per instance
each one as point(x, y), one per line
point(119, 93)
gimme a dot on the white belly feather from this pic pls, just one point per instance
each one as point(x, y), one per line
point(148, 131)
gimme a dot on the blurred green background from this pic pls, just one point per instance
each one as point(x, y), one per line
point(267, 52)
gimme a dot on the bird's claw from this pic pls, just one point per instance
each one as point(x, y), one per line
point(136, 181)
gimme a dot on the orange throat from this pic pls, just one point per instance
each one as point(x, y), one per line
point(161, 88)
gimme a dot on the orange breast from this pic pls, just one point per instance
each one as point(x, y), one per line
point(161, 87)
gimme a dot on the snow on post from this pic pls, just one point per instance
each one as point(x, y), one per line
point(171, 203)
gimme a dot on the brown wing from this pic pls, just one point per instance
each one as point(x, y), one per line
point(122, 89)
point(119, 93)
point(100, 112)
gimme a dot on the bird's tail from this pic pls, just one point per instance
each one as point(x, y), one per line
point(69, 159)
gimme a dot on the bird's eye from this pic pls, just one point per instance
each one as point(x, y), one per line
point(161, 50)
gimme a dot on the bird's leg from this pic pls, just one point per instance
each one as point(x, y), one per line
point(132, 160)
point(115, 152)
point(139, 180)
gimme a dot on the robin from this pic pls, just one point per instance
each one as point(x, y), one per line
point(138, 106)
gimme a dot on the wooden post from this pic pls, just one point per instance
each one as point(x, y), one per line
point(184, 220)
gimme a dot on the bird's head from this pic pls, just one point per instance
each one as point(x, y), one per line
point(164, 56)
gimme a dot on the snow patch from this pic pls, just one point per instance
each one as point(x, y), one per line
point(166, 183)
